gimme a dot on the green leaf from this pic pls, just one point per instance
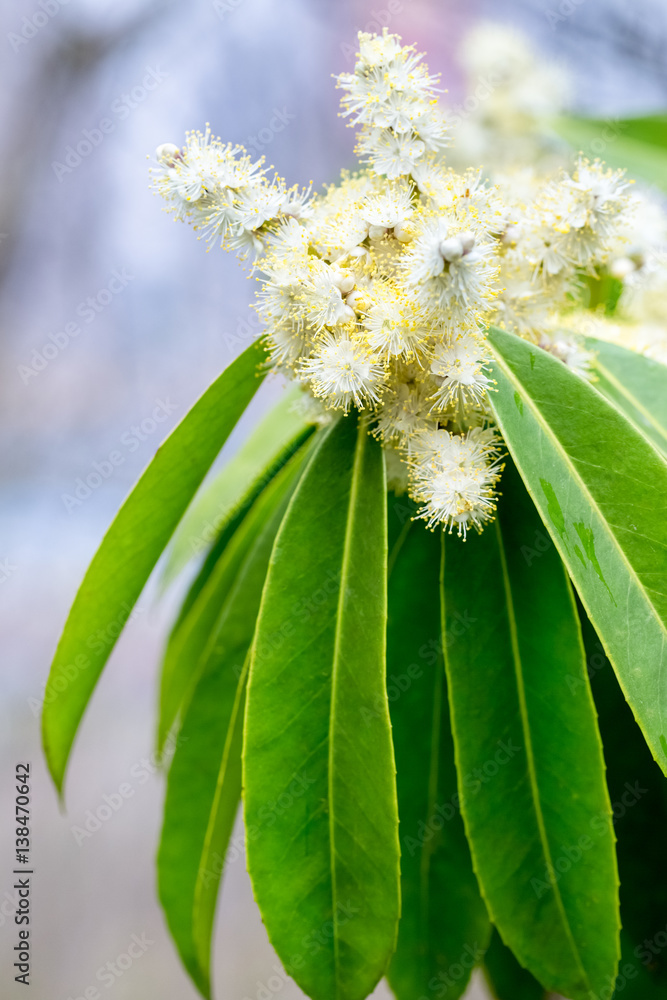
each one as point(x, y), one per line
point(506, 979)
point(238, 483)
point(638, 793)
point(444, 927)
point(204, 784)
point(319, 786)
point(635, 144)
point(131, 548)
point(601, 490)
point(636, 385)
point(187, 644)
point(529, 757)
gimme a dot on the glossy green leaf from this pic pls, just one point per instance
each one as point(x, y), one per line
point(204, 783)
point(319, 786)
point(238, 483)
point(506, 978)
point(183, 655)
point(638, 792)
point(529, 757)
point(601, 490)
point(187, 644)
point(636, 385)
point(444, 928)
point(638, 145)
point(131, 548)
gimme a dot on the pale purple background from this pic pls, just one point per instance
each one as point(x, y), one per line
point(165, 336)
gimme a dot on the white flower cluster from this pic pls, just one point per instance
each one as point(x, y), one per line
point(377, 293)
point(505, 121)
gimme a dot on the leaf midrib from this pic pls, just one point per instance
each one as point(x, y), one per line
point(575, 475)
point(210, 830)
point(434, 774)
point(345, 563)
point(530, 756)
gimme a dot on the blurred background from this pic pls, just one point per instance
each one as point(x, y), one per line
point(112, 321)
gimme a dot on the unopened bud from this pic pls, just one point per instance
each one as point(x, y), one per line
point(168, 153)
point(357, 300)
point(376, 232)
point(467, 241)
point(451, 249)
point(402, 232)
point(621, 268)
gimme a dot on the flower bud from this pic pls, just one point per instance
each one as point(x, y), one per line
point(452, 248)
point(402, 232)
point(467, 241)
point(168, 153)
point(376, 232)
point(621, 268)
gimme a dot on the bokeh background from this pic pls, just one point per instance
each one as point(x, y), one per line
point(155, 340)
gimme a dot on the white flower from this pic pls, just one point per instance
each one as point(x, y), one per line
point(322, 299)
point(376, 293)
point(390, 208)
point(393, 326)
point(405, 413)
point(461, 369)
point(256, 204)
point(453, 476)
point(377, 50)
point(388, 153)
point(450, 271)
point(343, 372)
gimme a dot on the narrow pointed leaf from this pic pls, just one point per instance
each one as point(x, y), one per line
point(183, 656)
point(531, 773)
point(444, 927)
point(240, 480)
point(204, 782)
point(601, 490)
point(319, 788)
point(131, 548)
point(185, 650)
point(506, 978)
point(638, 792)
point(635, 384)
point(637, 145)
